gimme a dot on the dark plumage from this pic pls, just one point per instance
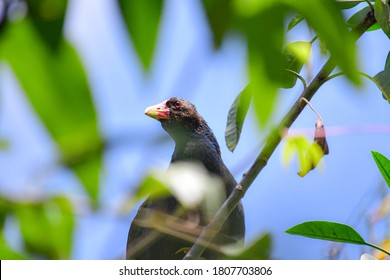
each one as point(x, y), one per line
point(194, 142)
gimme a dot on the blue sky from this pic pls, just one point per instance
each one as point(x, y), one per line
point(185, 65)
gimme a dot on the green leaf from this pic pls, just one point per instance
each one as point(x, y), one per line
point(57, 88)
point(383, 164)
point(47, 227)
point(327, 231)
point(48, 19)
point(142, 20)
point(327, 21)
point(355, 19)
point(295, 21)
point(219, 15)
point(7, 253)
point(201, 187)
point(4, 144)
point(309, 154)
point(296, 55)
point(382, 15)
point(236, 117)
point(387, 64)
point(258, 250)
point(382, 81)
point(347, 4)
point(264, 92)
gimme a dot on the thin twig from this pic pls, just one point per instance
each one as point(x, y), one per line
point(312, 108)
point(272, 142)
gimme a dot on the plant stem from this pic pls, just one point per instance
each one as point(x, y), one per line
point(378, 248)
point(271, 143)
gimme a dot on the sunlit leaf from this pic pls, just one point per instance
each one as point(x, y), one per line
point(142, 20)
point(56, 85)
point(296, 55)
point(355, 19)
point(47, 227)
point(258, 250)
point(200, 188)
point(382, 15)
point(309, 154)
point(327, 231)
point(48, 18)
point(383, 164)
point(236, 117)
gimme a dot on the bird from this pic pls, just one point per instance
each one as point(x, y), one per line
point(194, 142)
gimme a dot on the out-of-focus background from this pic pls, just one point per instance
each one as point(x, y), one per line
point(75, 142)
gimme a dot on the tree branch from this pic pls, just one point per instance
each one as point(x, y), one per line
point(272, 142)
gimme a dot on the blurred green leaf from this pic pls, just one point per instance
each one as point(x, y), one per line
point(57, 87)
point(47, 227)
point(383, 165)
point(347, 4)
point(219, 15)
point(323, 16)
point(327, 231)
point(264, 32)
point(4, 144)
point(142, 20)
point(259, 250)
point(7, 253)
point(327, 21)
point(48, 18)
point(295, 21)
point(296, 55)
point(236, 117)
point(201, 188)
point(151, 186)
point(356, 18)
point(382, 15)
point(382, 81)
point(264, 92)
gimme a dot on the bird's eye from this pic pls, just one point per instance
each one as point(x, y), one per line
point(177, 104)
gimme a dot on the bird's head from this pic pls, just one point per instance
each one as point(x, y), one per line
point(177, 116)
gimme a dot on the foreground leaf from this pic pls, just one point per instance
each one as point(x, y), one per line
point(142, 20)
point(56, 85)
point(382, 15)
point(236, 117)
point(47, 227)
point(219, 15)
point(7, 253)
point(327, 231)
point(383, 164)
point(347, 4)
point(48, 18)
point(258, 250)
